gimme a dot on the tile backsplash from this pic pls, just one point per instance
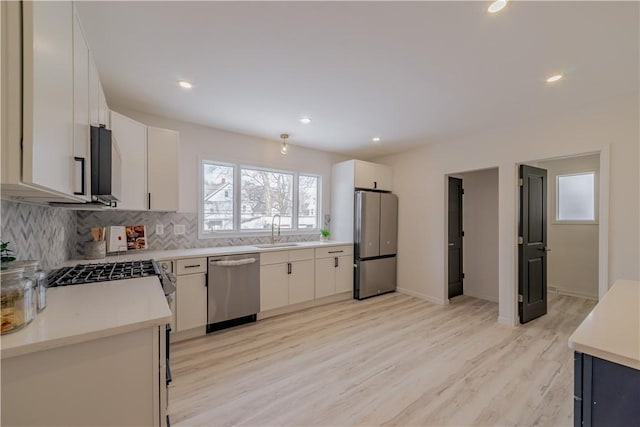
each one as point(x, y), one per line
point(43, 233)
point(168, 240)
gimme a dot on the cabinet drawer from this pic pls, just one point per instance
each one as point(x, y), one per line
point(301, 254)
point(276, 257)
point(191, 265)
point(334, 251)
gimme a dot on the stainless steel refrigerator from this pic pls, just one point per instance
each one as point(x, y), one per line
point(376, 242)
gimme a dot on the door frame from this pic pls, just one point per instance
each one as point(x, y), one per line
point(603, 216)
point(508, 268)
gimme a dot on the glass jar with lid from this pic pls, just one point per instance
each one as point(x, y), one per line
point(33, 272)
point(17, 300)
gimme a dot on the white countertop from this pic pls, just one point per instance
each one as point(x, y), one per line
point(612, 330)
point(81, 313)
point(138, 255)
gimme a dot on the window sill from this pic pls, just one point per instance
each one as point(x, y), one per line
point(574, 222)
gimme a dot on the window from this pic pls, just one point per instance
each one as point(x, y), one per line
point(576, 197)
point(265, 194)
point(218, 205)
point(245, 199)
point(308, 202)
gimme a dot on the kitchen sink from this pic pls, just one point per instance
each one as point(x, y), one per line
point(275, 245)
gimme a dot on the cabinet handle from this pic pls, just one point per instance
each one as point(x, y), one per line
point(375, 184)
point(83, 183)
point(335, 252)
point(149, 201)
point(288, 268)
point(192, 266)
point(335, 263)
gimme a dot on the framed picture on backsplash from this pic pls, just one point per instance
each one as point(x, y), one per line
point(136, 237)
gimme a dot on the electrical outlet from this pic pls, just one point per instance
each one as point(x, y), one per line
point(159, 229)
point(178, 229)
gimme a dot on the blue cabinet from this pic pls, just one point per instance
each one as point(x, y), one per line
point(605, 393)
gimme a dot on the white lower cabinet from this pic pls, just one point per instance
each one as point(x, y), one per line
point(191, 294)
point(301, 284)
point(286, 277)
point(274, 286)
point(334, 270)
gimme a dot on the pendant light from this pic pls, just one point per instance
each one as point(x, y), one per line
point(285, 147)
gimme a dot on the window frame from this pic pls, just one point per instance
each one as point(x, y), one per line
point(596, 198)
point(237, 201)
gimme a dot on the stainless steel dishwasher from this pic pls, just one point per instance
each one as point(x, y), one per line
point(233, 293)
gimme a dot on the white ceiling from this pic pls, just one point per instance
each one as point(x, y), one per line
point(411, 72)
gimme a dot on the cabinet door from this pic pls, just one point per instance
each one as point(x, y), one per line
point(274, 286)
point(81, 145)
point(131, 137)
point(325, 277)
point(344, 274)
point(48, 95)
point(103, 108)
point(162, 163)
point(191, 301)
point(364, 174)
point(94, 93)
point(383, 176)
point(301, 281)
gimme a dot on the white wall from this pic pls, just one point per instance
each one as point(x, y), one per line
point(573, 261)
point(419, 181)
point(216, 144)
point(480, 225)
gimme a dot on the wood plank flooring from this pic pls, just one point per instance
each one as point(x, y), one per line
point(390, 360)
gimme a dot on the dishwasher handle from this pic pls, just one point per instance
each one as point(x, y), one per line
point(232, 263)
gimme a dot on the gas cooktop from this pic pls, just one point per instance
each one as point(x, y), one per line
point(91, 273)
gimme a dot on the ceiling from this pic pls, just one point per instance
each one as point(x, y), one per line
point(410, 72)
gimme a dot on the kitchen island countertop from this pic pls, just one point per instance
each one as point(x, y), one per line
point(612, 330)
point(84, 312)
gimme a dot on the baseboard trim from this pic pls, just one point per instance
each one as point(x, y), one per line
point(480, 296)
point(577, 294)
point(422, 296)
point(503, 320)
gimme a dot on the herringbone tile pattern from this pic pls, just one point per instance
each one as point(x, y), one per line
point(168, 240)
point(43, 233)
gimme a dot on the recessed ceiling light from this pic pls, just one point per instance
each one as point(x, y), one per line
point(497, 6)
point(185, 84)
point(305, 120)
point(554, 78)
point(376, 139)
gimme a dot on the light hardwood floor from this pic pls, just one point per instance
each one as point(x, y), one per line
point(389, 360)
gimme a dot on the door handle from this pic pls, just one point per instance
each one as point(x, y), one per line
point(544, 249)
point(451, 244)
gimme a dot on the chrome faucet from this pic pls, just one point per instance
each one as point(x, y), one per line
point(273, 221)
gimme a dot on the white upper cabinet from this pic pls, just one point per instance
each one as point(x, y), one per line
point(94, 94)
point(149, 165)
point(45, 126)
point(372, 176)
point(48, 124)
point(103, 109)
point(131, 137)
point(162, 169)
point(81, 134)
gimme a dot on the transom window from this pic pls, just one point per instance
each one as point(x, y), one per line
point(238, 198)
point(576, 197)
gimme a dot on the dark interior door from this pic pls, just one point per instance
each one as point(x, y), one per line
point(532, 244)
point(455, 237)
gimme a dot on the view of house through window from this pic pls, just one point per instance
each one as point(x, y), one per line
point(260, 195)
point(576, 197)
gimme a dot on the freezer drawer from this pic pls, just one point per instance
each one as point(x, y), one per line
point(375, 276)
